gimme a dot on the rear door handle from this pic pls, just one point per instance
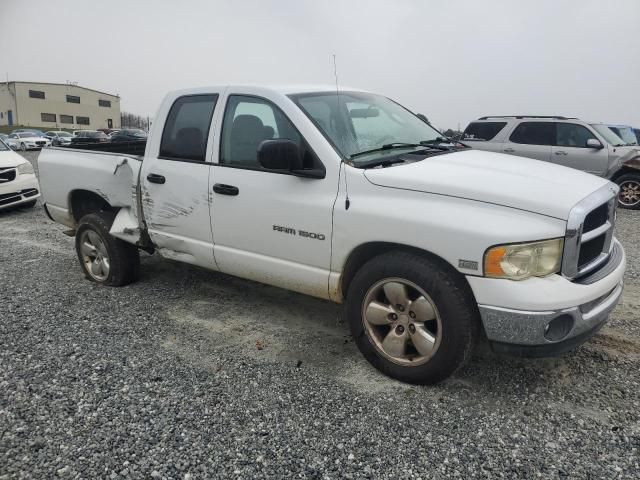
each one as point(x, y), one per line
point(560, 152)
point(508, 150)
point(155, 178)
point(223, 189)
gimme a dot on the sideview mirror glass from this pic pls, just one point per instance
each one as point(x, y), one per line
point(593, 143)
point(280, 154)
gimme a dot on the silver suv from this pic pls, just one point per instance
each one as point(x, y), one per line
point(591, 147)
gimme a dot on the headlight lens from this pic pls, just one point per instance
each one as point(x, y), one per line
point(25, 168)
point(524, 260)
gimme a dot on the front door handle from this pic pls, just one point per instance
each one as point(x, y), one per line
point(155, 178)
point(223, 189)
point(560, 152)
point(508, 150)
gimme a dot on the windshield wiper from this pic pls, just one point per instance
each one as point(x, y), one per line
point(386, 162)
point(387, 146)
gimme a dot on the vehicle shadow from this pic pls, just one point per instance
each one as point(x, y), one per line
point(228, 315)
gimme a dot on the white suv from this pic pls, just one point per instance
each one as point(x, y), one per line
point(591, 147)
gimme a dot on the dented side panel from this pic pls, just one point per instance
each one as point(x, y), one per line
point(113, 177)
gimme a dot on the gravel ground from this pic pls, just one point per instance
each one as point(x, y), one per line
point(194, 374)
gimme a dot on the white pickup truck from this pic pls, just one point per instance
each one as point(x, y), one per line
point(350, 197)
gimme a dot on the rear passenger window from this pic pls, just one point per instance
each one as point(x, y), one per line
point(572, 135)
point(187, 128)
point(534, 133)
point(483, 130)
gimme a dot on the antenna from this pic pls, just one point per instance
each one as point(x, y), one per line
point(335, 74)
point(347, 202)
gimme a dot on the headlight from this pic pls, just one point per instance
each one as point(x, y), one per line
point(25, 168)
point(524, 260)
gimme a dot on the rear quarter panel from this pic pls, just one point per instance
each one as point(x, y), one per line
point(114, 177)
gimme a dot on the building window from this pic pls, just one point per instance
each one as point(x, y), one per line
point(104, 103)
point(82, 120)
point(36, 94)
point(73, 99)
point(48, 117)
point(66, 118)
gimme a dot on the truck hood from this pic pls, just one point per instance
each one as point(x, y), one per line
point(515, 182)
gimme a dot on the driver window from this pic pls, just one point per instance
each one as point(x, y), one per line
point(248, 121)
point(572, 135)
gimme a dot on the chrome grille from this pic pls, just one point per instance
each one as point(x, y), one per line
point(589, 234)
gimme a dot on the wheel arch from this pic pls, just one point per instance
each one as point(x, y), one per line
point(366, 251)
point(83, 202)
point(624, 170)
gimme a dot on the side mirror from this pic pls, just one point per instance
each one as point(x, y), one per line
point(423, 118)
point(279, 154)
point(283, 155)
point(593, 143)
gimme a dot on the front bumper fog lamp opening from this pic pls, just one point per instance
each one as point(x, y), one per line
point(558, 328)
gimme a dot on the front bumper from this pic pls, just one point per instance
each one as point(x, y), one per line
point(556, 314)
point(23, 189)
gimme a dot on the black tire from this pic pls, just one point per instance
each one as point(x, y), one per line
point(453, 299)
point(629, 180)
point(124, 259)
point(23, 147)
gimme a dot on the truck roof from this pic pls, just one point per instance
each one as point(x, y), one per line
point(282, 89)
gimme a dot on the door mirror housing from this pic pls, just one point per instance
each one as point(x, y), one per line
point(593, 143)
point(423, 118)
point(283, 155)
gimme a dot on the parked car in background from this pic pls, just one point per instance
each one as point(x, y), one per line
point(75, 133)
point(18, 183)
point(637, 132)
point(11, 142)
point(128, 135)
point(89, 136)
point(625, 132)
point(37, 133)
point(431, 245)
point(59, 137)
point(30, 141)
point(591, 147)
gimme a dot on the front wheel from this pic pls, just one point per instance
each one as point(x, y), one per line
point(104, 258)
point(413, 317)
point(23, 147)
point(629, 196)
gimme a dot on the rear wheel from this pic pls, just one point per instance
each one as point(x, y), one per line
point(104, 258)
point(413, 317)
point(629, 196)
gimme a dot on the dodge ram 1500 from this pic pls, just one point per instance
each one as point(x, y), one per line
point(348, 196)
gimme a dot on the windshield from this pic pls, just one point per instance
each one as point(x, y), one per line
point(626, 134)
point(357, 122)
point(64, 134)
point(609, 136)
point(3, 146)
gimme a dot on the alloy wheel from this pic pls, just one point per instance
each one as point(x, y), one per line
point(94, 255)
point(402, 321)
point(629, 195)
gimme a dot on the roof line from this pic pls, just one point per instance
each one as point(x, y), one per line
point(63, 85)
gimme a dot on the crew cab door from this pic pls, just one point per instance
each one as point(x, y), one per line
point(175, 180)
point(571, 149)
point(274, 228)
point(531, 139)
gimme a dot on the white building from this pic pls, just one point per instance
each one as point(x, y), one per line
point(56, 105)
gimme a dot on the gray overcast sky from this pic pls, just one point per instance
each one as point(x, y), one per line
point(451, 60)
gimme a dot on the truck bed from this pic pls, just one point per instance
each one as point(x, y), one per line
point(126, 148)
point(71, 176)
